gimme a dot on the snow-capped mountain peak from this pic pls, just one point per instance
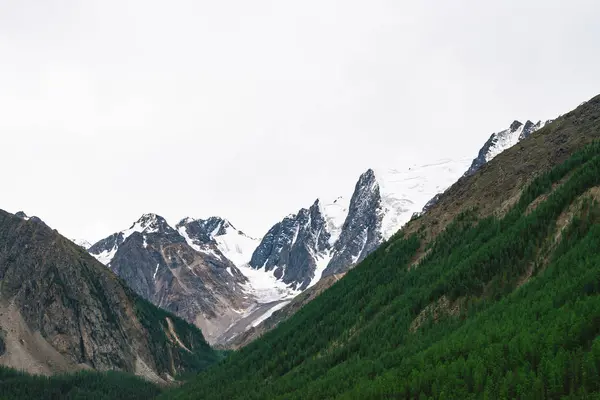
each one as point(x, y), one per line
point(182, 270)
point(234, 244)
point(509, 137)
point(293, 247)
point(382, 202)
point(500, 141)
point(148, 223)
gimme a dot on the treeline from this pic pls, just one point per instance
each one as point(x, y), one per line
point(165, 351)
point(498, 308)
point(82, 385)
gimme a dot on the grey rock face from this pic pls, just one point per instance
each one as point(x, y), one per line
point(206, 235)
point(479, 161)
point(196, 283)
point(21, 215)
point(197, 230)
point(107, 244)
point(361, 233)
point(26, 217)
point(501, 141)
point(292, 246)
point(528, 129)
point(481, 158)
point(214, 226)
point(203, 231)
point(431, 203)
point(83, 313)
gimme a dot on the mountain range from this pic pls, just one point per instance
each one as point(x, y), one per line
point(63, 311)
point(227, 283)
point(373, 295)
point(491, 293)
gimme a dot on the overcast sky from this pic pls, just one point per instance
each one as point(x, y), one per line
point(251, 109)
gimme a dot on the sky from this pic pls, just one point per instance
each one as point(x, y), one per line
point(250, 110)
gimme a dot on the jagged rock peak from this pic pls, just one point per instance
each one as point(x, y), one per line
point(364, 190)
point(218, 226)
point(33, 218)
point(231, 242)
point(181, 270)
point(316, 210)
point(500, 141)
point(515, 125)
point(184, 221)
point(21, 215)
point(150, 223)
point(213, 226)
point(361, 232)
point(296, 248)
point(367, 179)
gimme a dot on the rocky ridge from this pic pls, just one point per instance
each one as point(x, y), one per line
point(61, 310)
point(189, 277)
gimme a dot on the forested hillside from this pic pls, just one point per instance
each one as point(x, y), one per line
point(495, 302)
point(80, 385)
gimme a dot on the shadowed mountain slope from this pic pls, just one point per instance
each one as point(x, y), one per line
point(61, 310)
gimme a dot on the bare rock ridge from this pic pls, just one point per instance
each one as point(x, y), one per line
point(382, 202)
point(217, 232)
point(361, 233)
point(500, 141)
point(292, 247)
point(61, 310)
point(182, 271)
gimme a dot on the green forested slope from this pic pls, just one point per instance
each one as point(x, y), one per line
point(500, 307)
point(82, 385)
